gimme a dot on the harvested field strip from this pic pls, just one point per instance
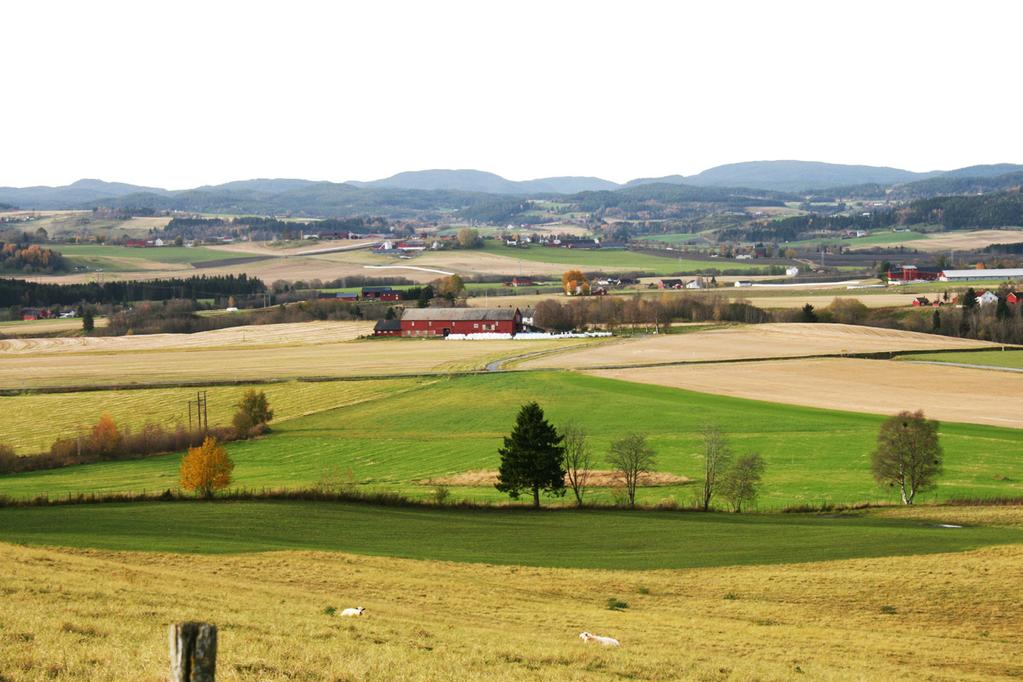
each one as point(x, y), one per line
point(431, 620)
point(224, 262)
point(368, 358)
point(71, 414)
point(749, 342)
point(175, 255)
point(304, 333)
point(873, 386)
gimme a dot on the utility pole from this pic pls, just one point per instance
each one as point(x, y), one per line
point(202, 420)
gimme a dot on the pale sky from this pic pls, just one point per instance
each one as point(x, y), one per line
point(179, 94)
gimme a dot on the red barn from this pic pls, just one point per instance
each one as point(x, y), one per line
point(911, 273)
point(444, 321)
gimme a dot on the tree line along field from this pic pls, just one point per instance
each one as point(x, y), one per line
point(403, 438)
point(821, 620)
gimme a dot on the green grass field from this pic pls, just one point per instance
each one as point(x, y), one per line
point(172, 255)
point(569, 538)
point(878, 238)
point(1012, 359)
point(457, 424)
point(675, 238)
point(616, 260)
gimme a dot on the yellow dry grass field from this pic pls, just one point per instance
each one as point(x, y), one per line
point(597, 478)
point(749, 342)
point(876, 386)
point(304, 333)
point(254, 362)
point(102, 616)
point(785, 299)
point(977, 239)
point(67, 415)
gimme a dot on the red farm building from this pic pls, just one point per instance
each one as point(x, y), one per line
point(911, 273)
point(444, 321)
point(381, 294)
point(387, 328)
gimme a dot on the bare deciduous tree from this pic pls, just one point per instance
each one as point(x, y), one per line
point(740, 485)
point(577, 460)
point(631, 457)
point(908, 454)
point(716, 457)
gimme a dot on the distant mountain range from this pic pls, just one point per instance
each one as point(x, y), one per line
point(414, 192)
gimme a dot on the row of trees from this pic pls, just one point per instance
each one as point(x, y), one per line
point(537, 458)
point(643, 311)
point(22, 292)
point(1001, 322)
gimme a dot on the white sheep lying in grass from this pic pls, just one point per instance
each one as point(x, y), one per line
point(603, 641)
point(357, 611)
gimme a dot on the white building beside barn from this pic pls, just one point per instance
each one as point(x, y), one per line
point(987, 298)
point(999, 274)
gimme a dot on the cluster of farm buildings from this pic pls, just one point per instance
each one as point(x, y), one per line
point(442, 322)
point(911, 273)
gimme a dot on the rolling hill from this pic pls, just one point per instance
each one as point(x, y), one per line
point(443, 191)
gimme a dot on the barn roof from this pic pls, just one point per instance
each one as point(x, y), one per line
point(989, 273)
point(388, 326)
point(452, 314)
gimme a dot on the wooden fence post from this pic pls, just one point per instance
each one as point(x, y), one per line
point(193, 652)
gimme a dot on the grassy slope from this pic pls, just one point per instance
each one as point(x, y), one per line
point(994, 358)
point(100, 615)
point(614, 260)
point(568, 539)
point(457, 424)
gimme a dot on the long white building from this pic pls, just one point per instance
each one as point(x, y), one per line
point(1000, 274)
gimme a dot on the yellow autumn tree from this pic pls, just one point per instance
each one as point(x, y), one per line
point(575, 282)
point(206, 468)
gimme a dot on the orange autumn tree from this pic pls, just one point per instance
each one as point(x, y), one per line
point(575, 282)
point(105, 438)
point(206, 468)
